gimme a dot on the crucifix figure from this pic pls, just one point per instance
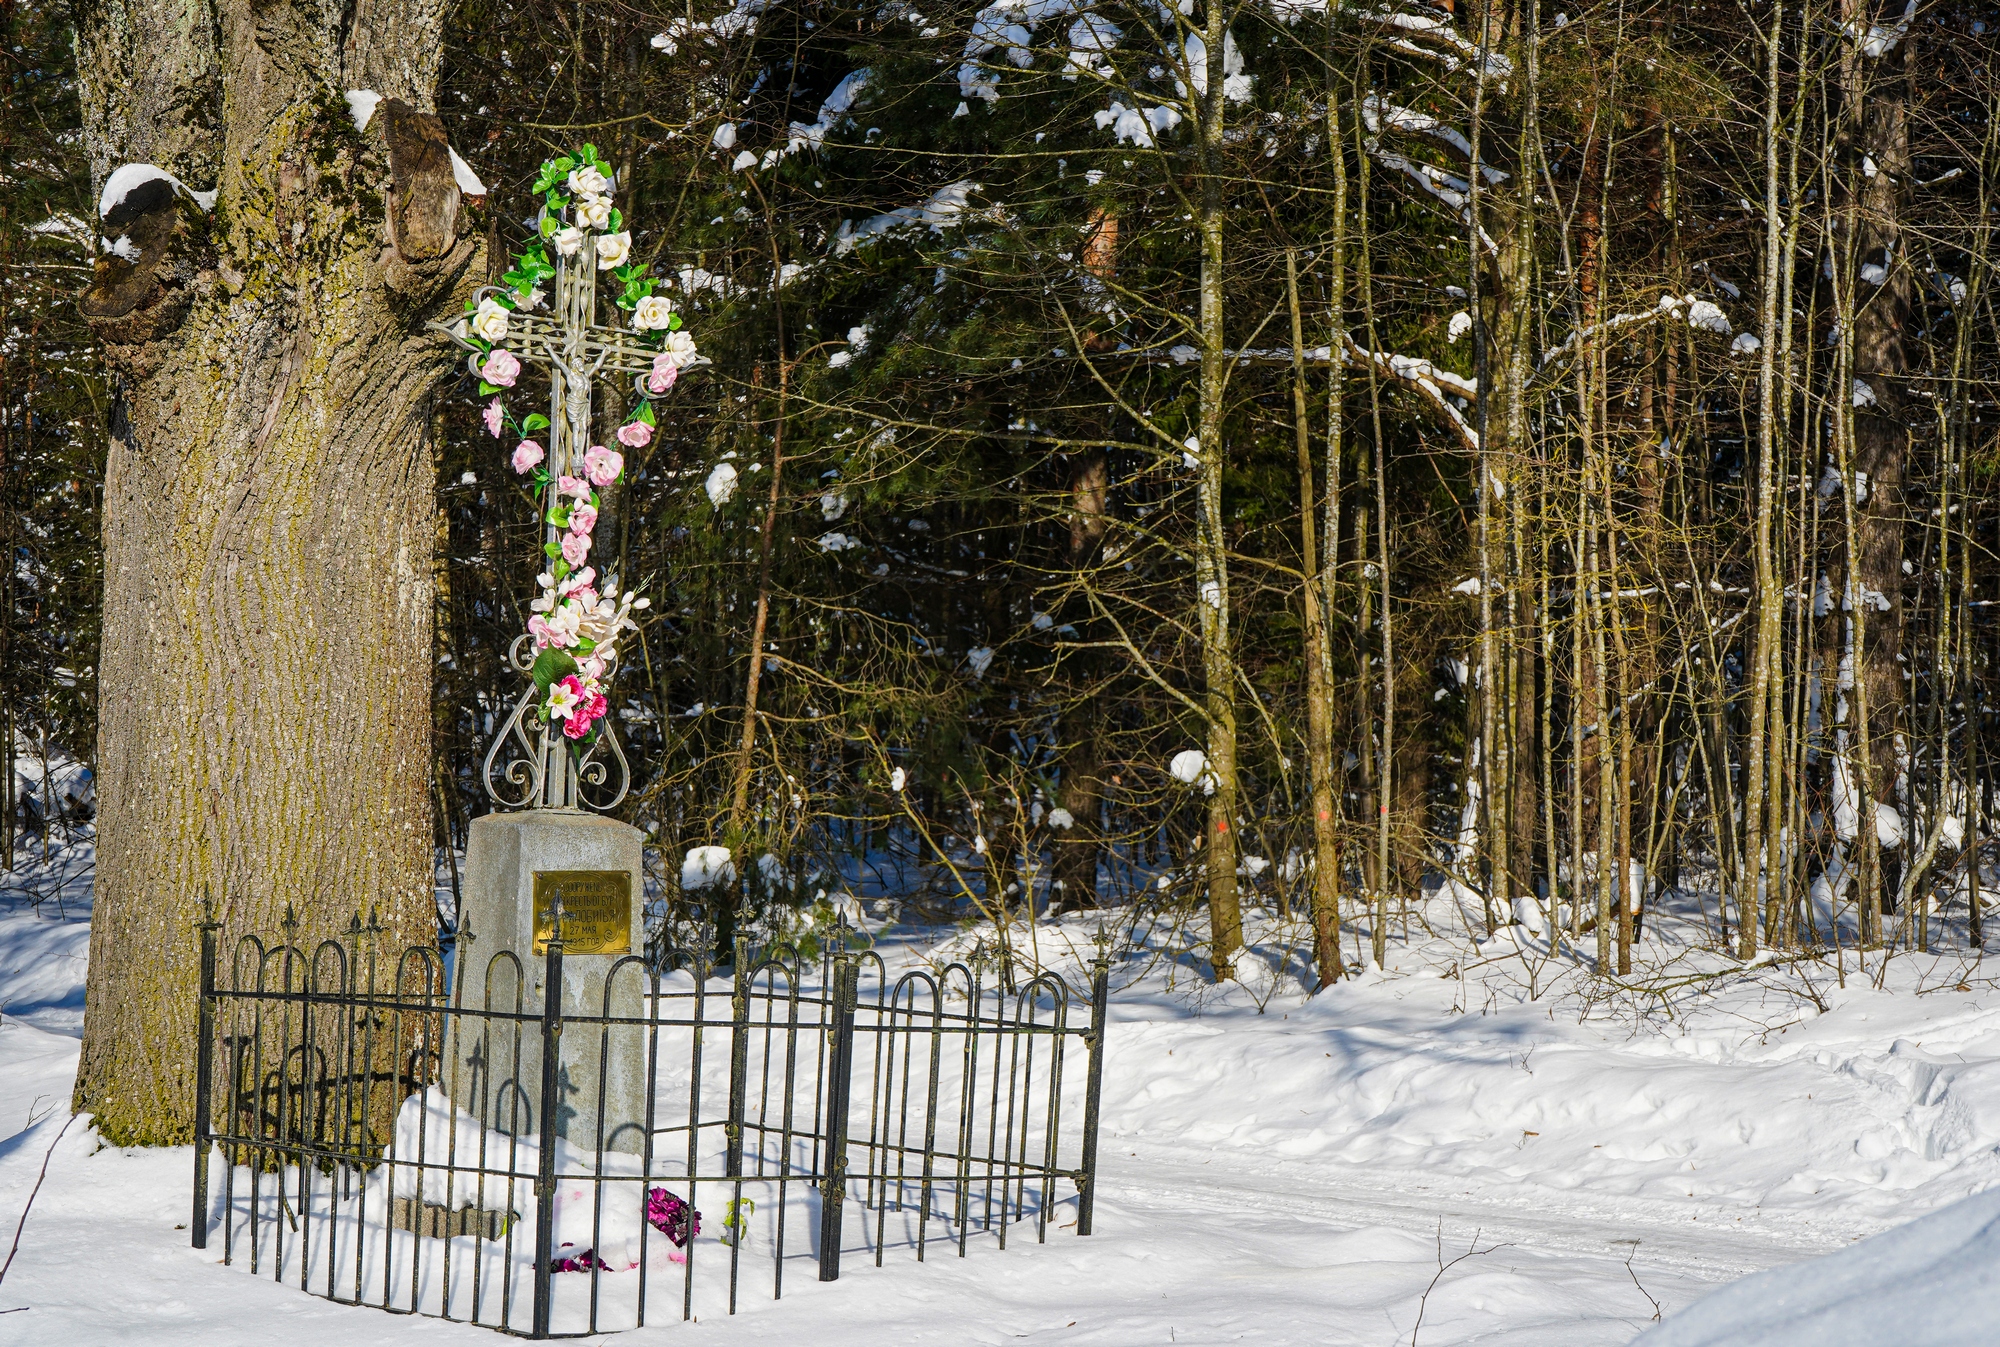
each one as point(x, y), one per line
point(562, 737)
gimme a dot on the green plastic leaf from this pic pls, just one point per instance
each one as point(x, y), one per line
point(534, 423)
point(548, 221)
point(551, 666)
point(617, 220)
point(646, 414)
point(563, 165)
point(560, 569)
point(673, 322)
point(551, 550)
point(485, 389)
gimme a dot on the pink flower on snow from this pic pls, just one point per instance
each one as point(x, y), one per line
point(501, 368)
point(575, 547)
point(635, 435)
point(526, 455)
point(582, 519)
point(603, 464)
point(665, 371)
point(494, 416)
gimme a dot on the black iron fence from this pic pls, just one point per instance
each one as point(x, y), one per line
point(554, 1146)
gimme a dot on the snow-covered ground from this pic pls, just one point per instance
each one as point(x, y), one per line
point(1464, 1148)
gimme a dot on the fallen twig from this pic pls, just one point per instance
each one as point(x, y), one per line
point(29, 1206)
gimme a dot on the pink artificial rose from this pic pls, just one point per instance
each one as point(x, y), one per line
point(574, 486)
point(575, 547)
point(599, 704)
point(665, 371)
point(635, 434)
point(604, 465)
point(501, 368)
point(582, 519)
point(494, 417)
point(576, 726)
point(593, 667)
point(538, 627)
point(526, 455)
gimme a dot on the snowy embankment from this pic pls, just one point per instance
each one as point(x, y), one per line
point(1291, 1174)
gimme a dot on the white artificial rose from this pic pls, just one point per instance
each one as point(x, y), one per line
point(567, 241)
point(651, 313)
point(593, 212)
point(589, 182)
point(679, 347)
point(489, 323)
point(613, 249)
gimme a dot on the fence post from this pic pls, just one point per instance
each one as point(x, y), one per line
point(545, 1160)
point(739, 1083)
point(204, 1071)
point(840, 1078)
point(1100, 1000)
point(739, 1041)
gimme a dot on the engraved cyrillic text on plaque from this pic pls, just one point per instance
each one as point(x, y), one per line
point(597, 910)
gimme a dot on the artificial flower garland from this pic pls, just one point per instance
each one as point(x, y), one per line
point(576, 621)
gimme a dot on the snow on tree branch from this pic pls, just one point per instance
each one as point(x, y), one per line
point(1462, 51)
point(1377, 112)
point(1700, 313)
point(1876, 41)
point(1438, 386)
point(944, 208)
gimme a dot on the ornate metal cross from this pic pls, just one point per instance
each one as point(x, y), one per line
point(546, 771)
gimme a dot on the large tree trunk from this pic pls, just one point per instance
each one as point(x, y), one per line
point(266, 669)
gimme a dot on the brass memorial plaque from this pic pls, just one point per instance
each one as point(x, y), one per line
point(597, 910)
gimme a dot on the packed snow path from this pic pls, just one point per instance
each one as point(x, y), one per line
point(1290, 1176)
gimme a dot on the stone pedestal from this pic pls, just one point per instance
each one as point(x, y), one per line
point(514, 865)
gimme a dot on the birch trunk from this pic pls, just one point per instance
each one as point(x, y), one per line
point(1211, 549)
